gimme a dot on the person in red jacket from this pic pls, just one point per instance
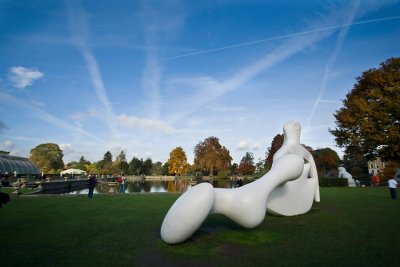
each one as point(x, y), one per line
point(375, 180)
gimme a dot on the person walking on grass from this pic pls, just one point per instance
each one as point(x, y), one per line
point(92, 184)
point(393, 188)
point(121, 181)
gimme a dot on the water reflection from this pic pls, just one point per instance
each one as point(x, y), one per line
point(176, 186)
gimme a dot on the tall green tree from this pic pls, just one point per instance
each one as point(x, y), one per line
point(107, 158)
point(72, 165)
point(83, 164)
point(369, 121)
point(121, 156)
point(177, 162)
point(246, 166)
point(120, 165)
point(164, 169)
point(47, 157)
point(147, 166)
point(94, 168)
point(105, 165)
point(233, 169)
point(356, 164)
point(211, 156)
point(157, 168)
point(135, 166)
point(390, 170)
point(260, 168)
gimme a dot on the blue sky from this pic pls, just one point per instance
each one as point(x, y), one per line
point(148, 76)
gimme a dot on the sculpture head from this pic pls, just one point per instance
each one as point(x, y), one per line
point(291, 131)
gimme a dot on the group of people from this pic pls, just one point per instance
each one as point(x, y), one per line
point(121, 182)
point(392, 183)
point(239, 181)
point(93, 181)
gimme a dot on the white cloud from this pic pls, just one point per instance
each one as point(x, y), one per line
point(13, 149)
point(20, 152)
point(7, 145)
point(66, 148)
point(248, 144)
point(144, 124)
point(256, 146)
point(22, 77)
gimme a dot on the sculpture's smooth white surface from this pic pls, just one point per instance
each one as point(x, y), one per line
point(295, 197)
point(246, 205)
point(344, 174)
point(187, 213)
point(289, 188)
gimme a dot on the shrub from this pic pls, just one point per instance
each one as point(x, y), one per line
point(223, 174)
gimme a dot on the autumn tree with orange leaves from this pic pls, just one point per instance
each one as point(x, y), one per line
point(246, 166)
point(211, 156)
point(177, 162)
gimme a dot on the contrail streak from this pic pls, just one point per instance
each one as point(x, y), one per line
point(332, 60)
point(79, 30)
point(280, 37)
point(43, 115)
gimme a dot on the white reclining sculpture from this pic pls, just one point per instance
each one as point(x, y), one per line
point(288, 189)
point(342, 173)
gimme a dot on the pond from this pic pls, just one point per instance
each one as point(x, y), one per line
point(177, 186)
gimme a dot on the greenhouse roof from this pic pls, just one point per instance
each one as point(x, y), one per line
point(11, 164)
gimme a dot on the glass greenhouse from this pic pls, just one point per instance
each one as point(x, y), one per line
point(12, 164)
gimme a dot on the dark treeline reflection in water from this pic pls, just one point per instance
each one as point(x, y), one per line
point(176, 186)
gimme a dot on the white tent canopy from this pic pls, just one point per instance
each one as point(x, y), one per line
point(73, 171)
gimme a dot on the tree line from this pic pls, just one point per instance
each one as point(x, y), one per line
point(211, 159)
point(367, 126)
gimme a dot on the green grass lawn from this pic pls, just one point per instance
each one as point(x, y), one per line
point(350, 227)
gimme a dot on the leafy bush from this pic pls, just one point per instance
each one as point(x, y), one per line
point(223, 174)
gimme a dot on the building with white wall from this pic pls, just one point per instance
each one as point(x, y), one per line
point(376, 166)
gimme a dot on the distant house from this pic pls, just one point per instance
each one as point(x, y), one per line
point(376, 166)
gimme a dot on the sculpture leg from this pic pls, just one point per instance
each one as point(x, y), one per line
point(245, 205)
point(287, 189)
point(293, 197)
point(187, 213)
